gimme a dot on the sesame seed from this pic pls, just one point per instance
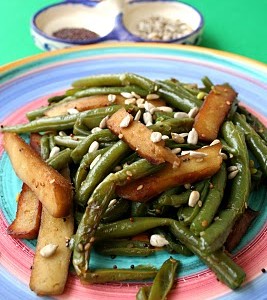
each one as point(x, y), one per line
point(139, 187)
point(112, 202)
point(129, 173)
point(62, 133)
point(120, 136)
point(187, 186)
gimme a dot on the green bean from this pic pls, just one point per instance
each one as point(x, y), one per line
point(66, 141)
point(104, 135)
point(51, 140)
point(139, 209)
point(93, 121)
point(105, 164)
point(255, 143)
point(118, 210)
point(179, 89)
point(84, 166)
point(173, 125)
point(216, 234)
point(109, 90)
point(172, 144)
point(45, 148)
point(59, 122)
point(79, 128)
point(207, 83)
point(174, 246)
point(60, 160)
point(164, 280)
point(116, 80)
point(143, 293)
point(37, 113)
point(176, 198)
point(254, 122)
point(225, 269)
point(162, 116)
point(171, 96)
point(56, 99)
point(115, 275)
point(123, 247)
point(97, 205)
point(212, 202)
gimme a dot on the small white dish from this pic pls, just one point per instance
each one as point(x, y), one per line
point(149, 21)
point(71, 14)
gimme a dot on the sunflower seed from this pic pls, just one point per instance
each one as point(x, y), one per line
point(130, 101)
point(180, 115)
point(215, 142)
point(126, 95)
point(157, 240)
point(48, 250)
point(177, 138)
point(138, 115)
point(193, 198)
point(93, 147)
point(112, 98)
point(152, 96)
point(103, 122)
point(197, 154)
point(192, 137)
point(72, 111)
point(233, 174)
point(96, 129)
point(156, 137)
point(176, 150)
point(95, 161)
point(232, 168)
point(147, 117)
point(193, 112)
point(125, 121)
point(55, 150)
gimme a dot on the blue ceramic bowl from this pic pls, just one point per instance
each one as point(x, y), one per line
point(111, 20)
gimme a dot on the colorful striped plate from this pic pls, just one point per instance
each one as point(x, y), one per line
point(27, 83)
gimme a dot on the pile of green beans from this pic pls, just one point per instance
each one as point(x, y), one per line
point(107, 223)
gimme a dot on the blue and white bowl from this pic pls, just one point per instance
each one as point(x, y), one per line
point(71, 14)
point(111, 20)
